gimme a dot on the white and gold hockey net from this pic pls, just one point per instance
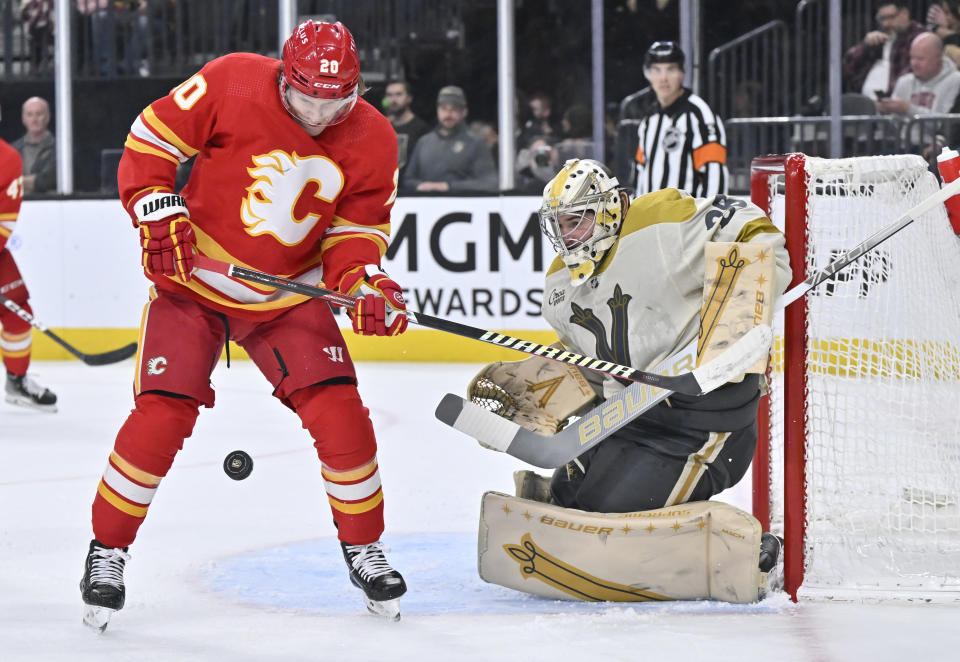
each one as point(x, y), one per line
point(872, 465)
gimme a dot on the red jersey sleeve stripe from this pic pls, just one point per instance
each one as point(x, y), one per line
point(331, 241)
point(339, 223)
point(137, 146)
point(146, 134)
point(151, 120)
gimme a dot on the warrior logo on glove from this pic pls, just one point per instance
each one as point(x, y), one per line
point(166, 236)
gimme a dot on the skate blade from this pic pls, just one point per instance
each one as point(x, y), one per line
point(389, 609)
point(30, 404)
point(97, 617)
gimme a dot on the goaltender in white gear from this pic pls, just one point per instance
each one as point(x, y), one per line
point(634, 282)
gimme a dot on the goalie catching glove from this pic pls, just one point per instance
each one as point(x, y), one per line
point(380, 309)
point(535, 393)
point(166, 236)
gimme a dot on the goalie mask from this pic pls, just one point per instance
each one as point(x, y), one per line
point(581, 214)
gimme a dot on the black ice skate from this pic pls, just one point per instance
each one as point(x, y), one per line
point(23, 391)
point(102, 587)
point(770, 564)
point(382, 586)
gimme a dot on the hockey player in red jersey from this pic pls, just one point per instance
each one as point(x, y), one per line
point(295, 174)
point(16, 333)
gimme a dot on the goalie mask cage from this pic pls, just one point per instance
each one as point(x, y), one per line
point(858, 462)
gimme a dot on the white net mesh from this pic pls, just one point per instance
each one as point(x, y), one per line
point(883, 367)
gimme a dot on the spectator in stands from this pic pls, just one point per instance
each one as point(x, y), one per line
point(488, 132)
point(536, 165)
point(930, 86)
point(130, 19)
point(944, 19)
point(540, 122)
point(410, 128)
point(103, 34)
point(138, 42)
point(451, 157)
point(577, 140)
point(37, 148)
point(37, 17)
point(683, 144)
point(883, 55)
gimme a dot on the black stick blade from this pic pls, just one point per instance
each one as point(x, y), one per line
point(113, 356)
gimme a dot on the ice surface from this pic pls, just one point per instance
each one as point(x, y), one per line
point(250, 570)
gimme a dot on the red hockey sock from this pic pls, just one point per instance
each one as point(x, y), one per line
point(15, 340)
point(142, 454)
point(343, 436)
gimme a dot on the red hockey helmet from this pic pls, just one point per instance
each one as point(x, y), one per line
point(321, 75)
point(320, 60)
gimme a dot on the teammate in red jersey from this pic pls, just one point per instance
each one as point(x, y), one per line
point(295, 174)
point(16, 333)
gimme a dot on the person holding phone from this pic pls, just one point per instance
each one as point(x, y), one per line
point(883, 55)
point(932, 84)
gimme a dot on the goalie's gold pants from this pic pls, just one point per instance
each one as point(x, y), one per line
point(684, 449)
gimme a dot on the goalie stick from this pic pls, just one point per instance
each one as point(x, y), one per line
point(595, 425)
point(104, 358)
point(695, 382)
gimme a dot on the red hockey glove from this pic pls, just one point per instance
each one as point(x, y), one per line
point(380, 309)
point(166, 236)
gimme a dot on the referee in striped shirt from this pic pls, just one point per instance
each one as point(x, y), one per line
point(682, 142)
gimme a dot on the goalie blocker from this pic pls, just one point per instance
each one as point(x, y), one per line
point(691, 551)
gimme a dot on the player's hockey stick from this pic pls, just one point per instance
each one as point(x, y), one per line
point(696, 382)
point(595, 425)
point(104, 358)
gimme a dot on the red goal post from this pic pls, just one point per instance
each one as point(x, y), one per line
point(858, 459)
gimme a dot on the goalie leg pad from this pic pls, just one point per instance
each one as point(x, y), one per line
point(694, 551)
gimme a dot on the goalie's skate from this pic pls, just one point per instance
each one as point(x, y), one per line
point(102, 586)
point(23, 391)
point(382, 586)
point(771, 563)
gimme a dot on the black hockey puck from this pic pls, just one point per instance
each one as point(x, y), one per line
point(238, 465)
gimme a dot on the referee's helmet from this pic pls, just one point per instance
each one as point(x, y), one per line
point(663, 51)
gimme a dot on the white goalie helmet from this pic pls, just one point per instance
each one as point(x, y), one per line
point(581, 214)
